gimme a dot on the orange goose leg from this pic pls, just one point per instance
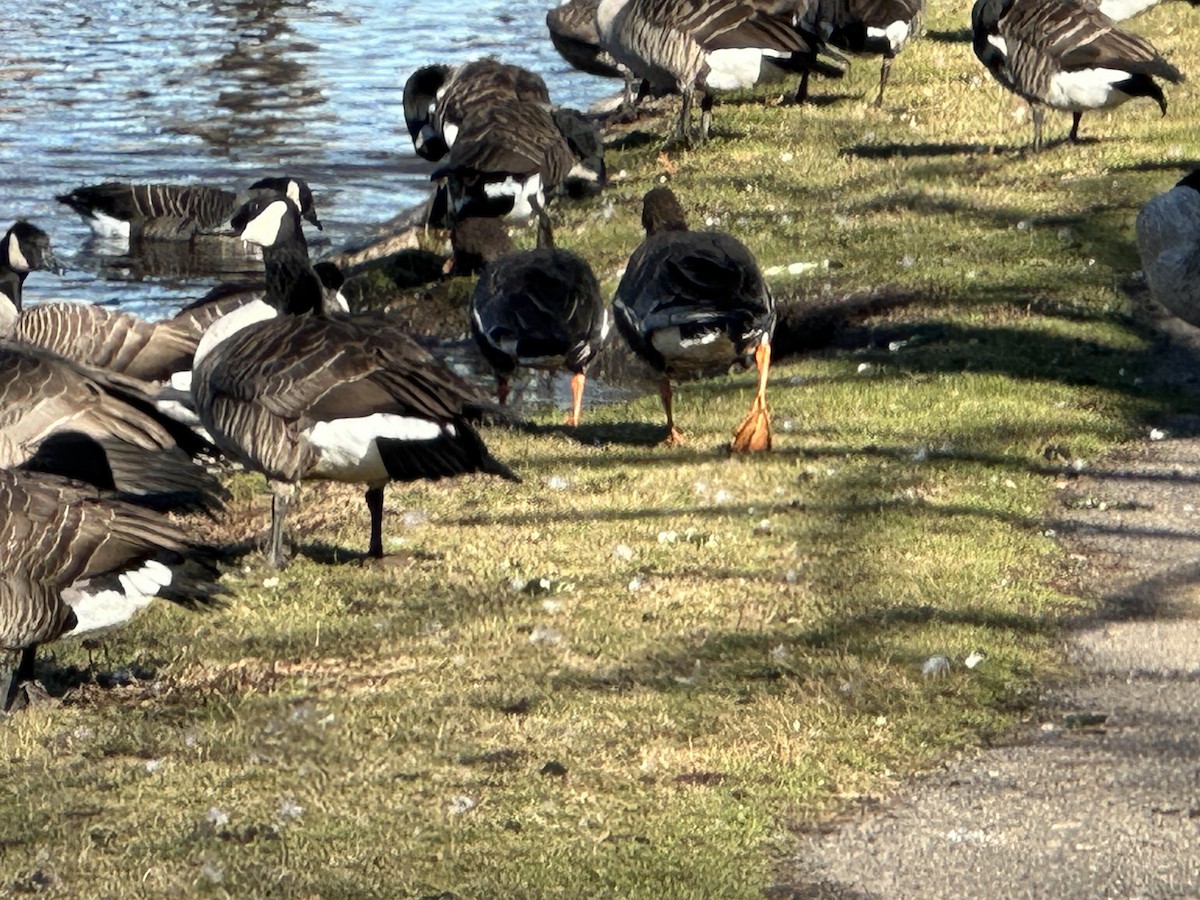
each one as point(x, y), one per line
point(577, 381)
point(755, 431)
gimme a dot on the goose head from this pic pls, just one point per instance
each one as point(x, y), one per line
point(295, 189)
point(420, 103)
point(661, 212)
point(26, 247)
point(268, 222)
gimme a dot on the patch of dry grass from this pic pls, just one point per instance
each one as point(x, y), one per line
point(636, 672)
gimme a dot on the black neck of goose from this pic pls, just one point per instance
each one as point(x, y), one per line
point(292, 285)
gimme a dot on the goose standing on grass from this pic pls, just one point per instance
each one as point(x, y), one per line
point(576, 37)
point(89, 334)
point(303, 395)
point(1067, 55)
point(538, 308)
point(1119, 10)
point(878, 27)
point(689, 46)
point(692, 303)
point(174, 212)
point(58, 417)
point(76, 564)
point(1168, 239)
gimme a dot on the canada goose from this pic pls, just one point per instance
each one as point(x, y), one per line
point(57, 416)
point(538, 308)
point(1118, 10)
point(174, 212)
point(308, 396)
point(104, 338)
point(683, 46)
point(881, 27)
point(1168, 238)
point(1067, 55)
point(76, 564)
point(508, 158)
point(576, 37)
point(693, 302)
point(437, 98)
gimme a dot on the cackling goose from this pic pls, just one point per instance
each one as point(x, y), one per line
point(1067, 55)
point(303, 395)
point(692, 303)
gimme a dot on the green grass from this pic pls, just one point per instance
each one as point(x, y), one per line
point(721, 649)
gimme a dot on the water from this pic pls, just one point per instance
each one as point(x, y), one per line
point(225, 92)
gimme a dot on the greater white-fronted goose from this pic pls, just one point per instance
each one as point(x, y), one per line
point(1067, 55)
point(92, 335)
point(76, 564)
point(688, 46)
point(1168, 239)
point(536, 308)
point(309, 396)
point(692, 303)
point(174, 212)
point(57, 416)
point(878, 27)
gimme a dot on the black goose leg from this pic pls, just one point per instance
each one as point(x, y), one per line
point(706, 105)
point(281, 501)
point(1038, 115)
point(683, 127)
point(802, 88)
point(375, 507)
point(1073, 137)
point(18, 678)
point(884, 71)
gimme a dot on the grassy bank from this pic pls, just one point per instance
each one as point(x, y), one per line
point(636, 673)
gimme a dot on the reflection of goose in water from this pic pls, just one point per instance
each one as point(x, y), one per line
point(264, 88)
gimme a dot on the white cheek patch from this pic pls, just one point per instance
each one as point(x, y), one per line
point(999, 43)
point(449, 134)
point(16, 259)
point(263, 229)
point(293, 193)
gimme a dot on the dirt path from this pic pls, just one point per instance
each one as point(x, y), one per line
point(1102, 797)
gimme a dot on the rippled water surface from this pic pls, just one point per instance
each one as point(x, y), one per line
point(225, 93)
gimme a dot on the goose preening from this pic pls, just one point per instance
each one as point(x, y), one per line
point(58, 417)
point(174, 212)
point(108, 339)
point(689, 46)
point(1168, 239)
point(877, 27)
point(303, 395)
point(76, 564)
point(437, 98)
point(1067, 55)
point(1117, 10)
point(536, 308)
point(508, 158)
point(692, 303)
